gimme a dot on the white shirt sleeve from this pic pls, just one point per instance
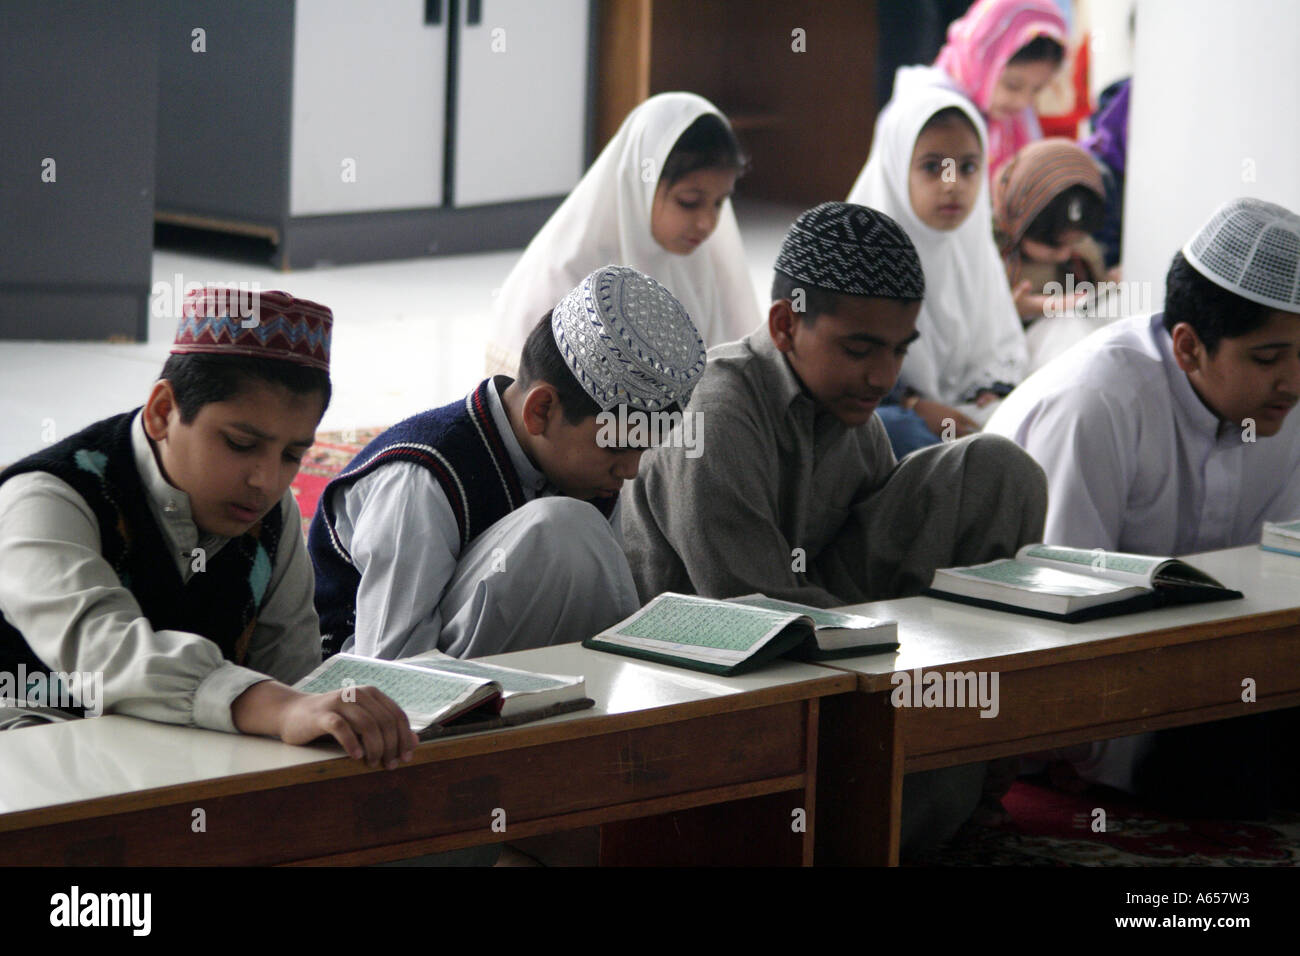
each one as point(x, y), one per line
point(66, 600)
point(405, 542)
point(1083, 446)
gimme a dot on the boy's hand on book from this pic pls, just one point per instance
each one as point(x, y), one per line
point(368, 725)
point(936, 416)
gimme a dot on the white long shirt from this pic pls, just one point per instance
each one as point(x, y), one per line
point(1135, 461)
point(401, 532)
point(67, 602)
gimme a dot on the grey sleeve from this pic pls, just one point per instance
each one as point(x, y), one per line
point(719, 514)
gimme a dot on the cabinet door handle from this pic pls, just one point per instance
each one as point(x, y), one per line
point(433, 13)
point(473, 13)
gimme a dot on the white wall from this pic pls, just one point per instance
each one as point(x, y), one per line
point(1215, 114)
point(1111, 44)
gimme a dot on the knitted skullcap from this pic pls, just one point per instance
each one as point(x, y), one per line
point(219, 320)
point(854, 250)
point(628, 341)
point(1252, 248)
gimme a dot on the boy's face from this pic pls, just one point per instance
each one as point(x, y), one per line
point(684, 214)
point(1018, 86)
point(848, 360)
point(1253, 376)
point(944, 177)
point(569, 455)
point(237, 458)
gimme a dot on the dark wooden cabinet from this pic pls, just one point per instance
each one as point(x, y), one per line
point(797, 80)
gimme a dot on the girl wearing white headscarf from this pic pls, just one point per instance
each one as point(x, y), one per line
point(971, 348)
point(645, 204)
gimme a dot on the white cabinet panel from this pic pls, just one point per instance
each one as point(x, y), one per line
point(521, 100)
point(369, 104)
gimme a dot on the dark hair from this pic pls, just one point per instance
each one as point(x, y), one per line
point(1039, 49)
point(816, 300)
point(1054, 219)
point(541, 361)
point(708, 143)
point(199, 379)
point(1213, 311)
point(951, 114)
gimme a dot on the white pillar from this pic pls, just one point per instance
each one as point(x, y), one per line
point(1215, 114)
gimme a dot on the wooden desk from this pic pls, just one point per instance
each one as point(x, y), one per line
point(1059, 684)
point(117, 790)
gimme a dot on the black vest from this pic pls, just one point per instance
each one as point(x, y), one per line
point(220, 603)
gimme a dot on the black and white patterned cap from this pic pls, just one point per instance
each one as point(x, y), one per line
point(854, 250)
point(628, 341)
point(1252, 248)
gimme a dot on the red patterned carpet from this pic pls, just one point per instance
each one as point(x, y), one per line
point(324, 460)
point(1051, 828)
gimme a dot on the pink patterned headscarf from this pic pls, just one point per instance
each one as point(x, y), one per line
point(979, 45)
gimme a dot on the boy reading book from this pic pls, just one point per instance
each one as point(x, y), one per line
point(797, 494)
point(1172, 433)
point(159, 550)
point(485, 526)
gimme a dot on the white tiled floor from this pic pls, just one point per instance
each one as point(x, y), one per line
point(408, 335)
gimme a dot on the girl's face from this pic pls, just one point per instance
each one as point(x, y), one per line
point(1037, 251)
point(1018, 86)
point(945, 174)
point(684, 214)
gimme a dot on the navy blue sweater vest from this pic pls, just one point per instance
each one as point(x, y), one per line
point(220, 603)
point(462, 448)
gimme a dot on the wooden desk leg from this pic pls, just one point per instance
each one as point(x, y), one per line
point(860, 781)
point(777, 829)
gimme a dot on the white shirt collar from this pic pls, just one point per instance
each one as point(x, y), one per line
point(169, 505)
point(532, 480)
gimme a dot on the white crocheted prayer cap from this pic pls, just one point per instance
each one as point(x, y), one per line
point(628, 341)
point(1252, 248)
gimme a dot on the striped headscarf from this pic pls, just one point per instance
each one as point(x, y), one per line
point(1033, 178)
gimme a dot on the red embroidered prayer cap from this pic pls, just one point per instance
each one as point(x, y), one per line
point(225, 320)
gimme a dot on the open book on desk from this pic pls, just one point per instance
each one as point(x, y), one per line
point(444, 695)
point(1281, 536)
point(1075, 584)
point(738, 635)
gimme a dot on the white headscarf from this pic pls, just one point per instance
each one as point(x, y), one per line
point(971, 334)
point(606, 219)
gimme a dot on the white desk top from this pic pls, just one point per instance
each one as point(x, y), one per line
point(936, 633)
point(87, 759)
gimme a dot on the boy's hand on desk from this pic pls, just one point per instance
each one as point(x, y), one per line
point(369, 727)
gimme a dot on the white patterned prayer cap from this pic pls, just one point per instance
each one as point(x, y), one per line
point(628, 341)
point(1252, 248)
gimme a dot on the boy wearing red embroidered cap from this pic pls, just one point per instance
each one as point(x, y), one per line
point(160, 548)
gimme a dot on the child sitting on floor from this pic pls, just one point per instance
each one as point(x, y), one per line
point(489, 525)
point(161, 548)
point(1002, 54)
point(1046, 202)
point(926, 170)
point(657, 198)
point(797, 494)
